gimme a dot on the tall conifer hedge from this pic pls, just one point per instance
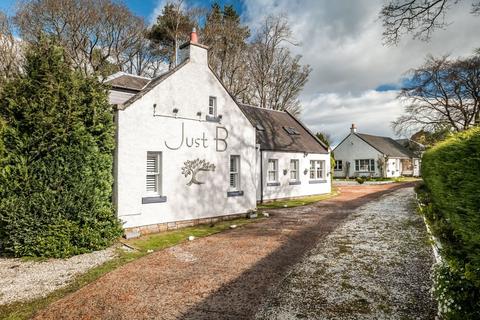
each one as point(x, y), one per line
point(56, 167)
point(451, 171)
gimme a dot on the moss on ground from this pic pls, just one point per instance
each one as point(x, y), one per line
point(143, 245)
point(297, 202)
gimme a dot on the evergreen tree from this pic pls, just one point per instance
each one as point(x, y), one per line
point(172, 28)
point(56, 168)
point(227, 39)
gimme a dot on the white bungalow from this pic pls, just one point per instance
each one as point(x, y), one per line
point(362, 154)
point(187, 153)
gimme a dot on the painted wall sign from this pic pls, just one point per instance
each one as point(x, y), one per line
point(193, 167)
point(221, 135)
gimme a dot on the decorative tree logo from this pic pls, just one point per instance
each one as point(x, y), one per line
point(192, 167)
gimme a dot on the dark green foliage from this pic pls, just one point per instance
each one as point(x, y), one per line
point(56, 169)
point(451, 172)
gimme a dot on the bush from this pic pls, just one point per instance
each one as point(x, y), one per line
point(56, 168)
point(450, 171)
point(360, 180)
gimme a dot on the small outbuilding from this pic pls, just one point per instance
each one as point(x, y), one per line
point(362, 154)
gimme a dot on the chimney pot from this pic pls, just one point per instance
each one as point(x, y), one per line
point(193, 36)
point(353, 129)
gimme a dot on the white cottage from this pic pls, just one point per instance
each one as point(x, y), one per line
point(362, 154)
point(290, 159)
point(187, 153)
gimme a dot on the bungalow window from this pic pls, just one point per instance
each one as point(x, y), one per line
point(235, 172)
point(153, 177)
point(365, 165)
point(212, 106)
point(272, 174)
point(316, 169)
point(338, 165)
point(294, 169)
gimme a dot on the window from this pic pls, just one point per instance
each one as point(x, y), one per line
point(316, 169)
point(365, 165)
point(272, 170)
point(291, 131)
point(294, 170)
point(338, 165)
point(212, 106)
point(153, 181)
point(235, 172)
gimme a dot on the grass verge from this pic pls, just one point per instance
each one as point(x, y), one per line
point(155, 242)
point(297, 202)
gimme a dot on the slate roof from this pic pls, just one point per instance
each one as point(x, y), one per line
point(387, 146)
point(127, 81)
point(272, 131)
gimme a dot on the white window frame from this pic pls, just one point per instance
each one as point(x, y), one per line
point(212, 106)
point(317, 169)
point(156, 173)
point(234, 173)
point(294, 169)
point(338, 165)
point(364, 165)
point(274, 171)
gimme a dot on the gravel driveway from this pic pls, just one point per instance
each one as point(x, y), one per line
point(374, 266)
point(238, 273)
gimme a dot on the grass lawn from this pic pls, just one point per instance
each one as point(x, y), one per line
point(155, 242)
point(298, 201)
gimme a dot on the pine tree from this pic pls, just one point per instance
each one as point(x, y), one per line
point(56, 168)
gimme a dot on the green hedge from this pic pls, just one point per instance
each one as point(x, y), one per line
point(56, 167)
point(451, 171)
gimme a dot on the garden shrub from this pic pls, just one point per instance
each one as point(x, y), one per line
point(56, 168)
point(452, 208)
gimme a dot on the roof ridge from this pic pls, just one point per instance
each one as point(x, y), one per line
point(268, 109)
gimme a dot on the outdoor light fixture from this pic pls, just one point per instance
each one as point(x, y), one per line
point(220, 117)
point(199, 113)
point(305, 171)
point(285, 171)
point(175, 111)
point(154, 108)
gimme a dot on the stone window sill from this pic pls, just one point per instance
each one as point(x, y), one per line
point(317, 181)
point(212, 119)
point(292, 183)
point(154, 199)
point(234, 193)
point(273, 184)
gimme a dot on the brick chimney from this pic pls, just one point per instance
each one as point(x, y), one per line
point(196, 52)
point(353, 128)
point(193, 36)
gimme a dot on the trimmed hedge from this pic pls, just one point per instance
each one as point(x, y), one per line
point(451, 171)
point(56, 168)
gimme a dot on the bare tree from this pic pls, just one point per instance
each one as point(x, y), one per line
point(227, 38)
point(11, 50)
point(420, 17)
point(99, 35)
point(443, 94)
point(276, 76)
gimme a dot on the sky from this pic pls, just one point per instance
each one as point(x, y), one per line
point(354, 76)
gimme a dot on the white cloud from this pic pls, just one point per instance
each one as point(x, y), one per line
point(342, 41)
point(333, 113)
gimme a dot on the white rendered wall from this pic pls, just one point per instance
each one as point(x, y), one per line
point(139, 131)
point(285, 189)
point(353, 148)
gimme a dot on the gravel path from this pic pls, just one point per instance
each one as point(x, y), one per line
point(224, 276)
point(374, 266)
point(25, 280)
